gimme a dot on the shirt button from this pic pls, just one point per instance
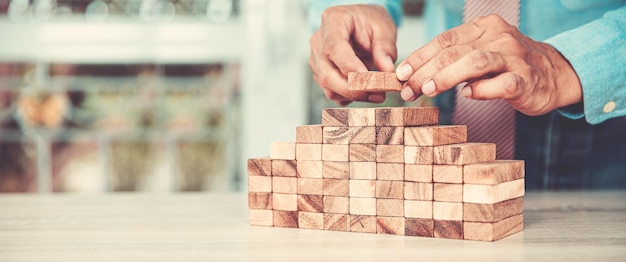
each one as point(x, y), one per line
point(609, 107)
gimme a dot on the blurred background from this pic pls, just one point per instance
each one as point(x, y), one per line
point(154, 95)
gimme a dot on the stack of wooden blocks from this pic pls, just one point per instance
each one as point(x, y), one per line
point(387, 171)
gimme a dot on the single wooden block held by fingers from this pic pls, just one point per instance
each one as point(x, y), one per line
point(493, 231)
point(374, 82)
point(310, 134)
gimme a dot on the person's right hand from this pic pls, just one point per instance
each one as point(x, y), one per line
point(352, 38)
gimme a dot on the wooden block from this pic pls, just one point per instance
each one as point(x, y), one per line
point(390, 225)
point(338, 170)
point(362, 152)
point(309, 134)
point(261, 217)
point(418, 209)
point(336, 187)
point(390, 153)
point(363, 170)
point(337, 205)
point(362, 224)
point(448, 174)
point(491, 194)
point(390, 135)
point(447, 210)
point(448, 229)
point(310, 186)
point(310, 169)
point(285, 168)
point(491, 173)
point(336, 135)
point(261, 166)
point(362, 135)
point(389, 189)
point(435, 135)
point(390, 207)
point(448, 192)
point(465, 153)
point(336, 222)
point(285, 218)
point(311, 220)
point(390, 171)
point(362, 117)
point(473, 212)
point(287, 185)
point(421, 227)
point(407, 116)
point(309, 152)
point(335, 152)
point(283, 150)
point(335, 117)
point(259, 200)
point(363, 206)
point(418, 173)
point(418, 191)
point(311, 203)
point(374, 82)
point(418, 155)
point(260, 184)
point(285, 202)
point(493, 231)
point(362, 188)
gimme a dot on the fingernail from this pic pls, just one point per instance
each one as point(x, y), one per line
point(466, 91)
point(428, 88)
point(403, 72)
point(376, 98)
point(407, 93)
point(390, 61)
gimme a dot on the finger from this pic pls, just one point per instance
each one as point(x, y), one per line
point(334, 81)
point(384, 50)
point(507, 86)
point(337, 47)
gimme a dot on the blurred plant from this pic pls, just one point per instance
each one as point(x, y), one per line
point(131, 163)
point(199, 163)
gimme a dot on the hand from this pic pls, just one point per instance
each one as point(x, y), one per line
point(352, 38)
point(497, 61)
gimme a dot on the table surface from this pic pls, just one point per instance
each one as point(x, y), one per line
point(564, 226)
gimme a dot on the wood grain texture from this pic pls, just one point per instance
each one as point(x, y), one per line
point(390, 207)
point(465, 153)
point(390, 171)
point(447, 210)
point(362, 188)
point(493, 231)
point(283, 150)
point(418, 209)
point(418, 173)
point(259, 200)
point(284, 168)
point(418, 191)
point(338, 170)
point(310, 169)
point(310, 186)
point(362, 152)
point(374, 82)
point(337, 222)
point(448, 192)
point(336, 135)
point(491, 194)
point(260, 184)
point(336, 187)
point(335, 117)
point(309, 152)
point(362, 224)
point(362, 135)
point(335, 152)
point(285, 202)
point(407, 116)
point(261, 217)
point(390, 135)
point(261, 166)
point(285, 218)
point(309, 134)
point(363, 170)
point(473, 212)
point(435, 135)
point(448, 229)
point(389, 189)
point(311, 203)
point(390, 225)
point(287, 185)
point(448, 174)
point(337, 205)
point(309, 220)
point(420, 227)
point(390, 153)
point(362, 117)
point(418, 155)
point(363, 206)
point(491, 173)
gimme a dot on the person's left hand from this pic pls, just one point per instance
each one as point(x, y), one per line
point(497, 61)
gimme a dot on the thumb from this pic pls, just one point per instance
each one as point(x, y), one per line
point(384, 53)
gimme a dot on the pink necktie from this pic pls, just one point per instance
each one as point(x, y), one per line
point(491, 121)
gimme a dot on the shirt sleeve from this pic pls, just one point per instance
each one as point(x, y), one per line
point(316, 7)
point(597, 52)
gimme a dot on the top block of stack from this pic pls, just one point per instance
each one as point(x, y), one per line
point(374, 82)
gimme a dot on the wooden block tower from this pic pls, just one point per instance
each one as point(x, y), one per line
point(387, 171)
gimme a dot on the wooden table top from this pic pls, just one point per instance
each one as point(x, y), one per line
point(564, 226)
